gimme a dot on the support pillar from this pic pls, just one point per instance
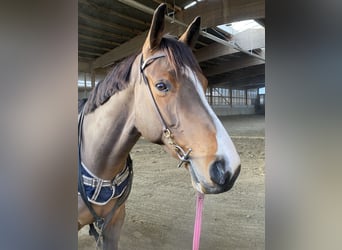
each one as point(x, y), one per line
point(85, 85)
point(211, 96)
point(93, 77)
point(246, 97)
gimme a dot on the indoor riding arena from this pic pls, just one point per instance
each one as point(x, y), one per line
point(230, 50)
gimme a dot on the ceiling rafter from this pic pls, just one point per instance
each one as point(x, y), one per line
point(237, 75)
point(252, 80)
point(212, 51)
point(101, 32)
point(249, 71)
point(202, 43)
point(109, 24)
point(94, 47)
point(212, 14)
point(229, 66)
point(98, 40)
point(260, 21)
point(85, 58)
point(170, 6)
point(245, 73)
point(113, 12)
point(241, 82)
point(105, 32)
point(89, 53)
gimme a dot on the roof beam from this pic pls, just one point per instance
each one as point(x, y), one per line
point(238, 75)
point(176, 7)
point(201, 43)
point(85, 58)
point(250, 39)
point(234, 64)
point(109, 24)
point(120, 52)
point(112, 12)
point(230, 44)
point(245, 85)
point(260, 21)
point(212, 51)
point(212, 13)
point(248, 81)
point(216, 12)
point(98, 40)
point(93, 47)
point(250, 71)
point(89, 53)
point(242, 82)
point(146, 9)
point(101, 32)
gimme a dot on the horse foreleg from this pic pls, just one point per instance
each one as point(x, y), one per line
point(111, 233)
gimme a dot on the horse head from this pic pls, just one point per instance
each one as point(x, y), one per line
point(174, 102)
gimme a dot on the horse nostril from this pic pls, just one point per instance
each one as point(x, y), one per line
point(218, 173)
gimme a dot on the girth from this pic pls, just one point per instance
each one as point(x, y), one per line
point(100, 191)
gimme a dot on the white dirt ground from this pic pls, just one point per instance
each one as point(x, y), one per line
point(161, 208)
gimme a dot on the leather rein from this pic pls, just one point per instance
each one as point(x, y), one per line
point(167, 133)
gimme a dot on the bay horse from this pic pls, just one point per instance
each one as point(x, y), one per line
point(158, 93)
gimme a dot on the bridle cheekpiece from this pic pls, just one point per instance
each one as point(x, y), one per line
point(183, 156)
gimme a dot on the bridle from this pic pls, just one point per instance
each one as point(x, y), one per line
point(167, 133)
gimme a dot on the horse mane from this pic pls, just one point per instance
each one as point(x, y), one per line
point(81, 103)
point(178, 54)
point(115, 81)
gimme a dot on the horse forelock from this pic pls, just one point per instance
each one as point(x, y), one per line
point(179, 55)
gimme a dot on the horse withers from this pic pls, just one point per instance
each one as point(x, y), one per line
point(159, 94)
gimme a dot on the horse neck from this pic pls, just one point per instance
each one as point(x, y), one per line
point(109, 134)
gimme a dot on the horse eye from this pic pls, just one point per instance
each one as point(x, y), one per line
point(162, 86)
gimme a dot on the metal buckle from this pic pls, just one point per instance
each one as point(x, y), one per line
point(94, 182)
point(99, 223)
point(184, 157)
point(167, 133)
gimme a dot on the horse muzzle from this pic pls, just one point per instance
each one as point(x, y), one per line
point(221, 180)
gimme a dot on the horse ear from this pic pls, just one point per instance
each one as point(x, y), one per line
point(155, 33)
point(191, 34)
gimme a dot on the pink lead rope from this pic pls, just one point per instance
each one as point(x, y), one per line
point(198, 221)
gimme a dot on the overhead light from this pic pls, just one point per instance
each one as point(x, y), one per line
point(193, 3)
